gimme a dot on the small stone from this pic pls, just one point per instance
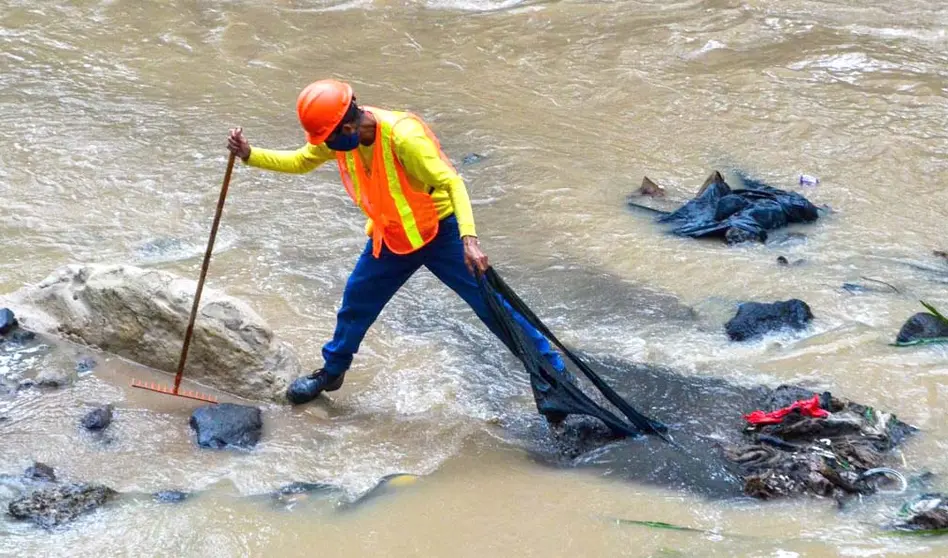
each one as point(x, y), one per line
point(85, 364)
point(7, 321)
point(171, 496)
point(471, 158)
point(649, 188)
point(40, 471)
point(21, 336)
point(52, 378)
point(98, 419)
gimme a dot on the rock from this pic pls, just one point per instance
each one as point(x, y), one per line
point(941, 254)
point(754, 319)
point(41, 472)
point(783, 261)
point(227, 425)
point(85, 364)
point(52, 378)
point(171, 496)
point(26, 384)
point(57, 505)
point(293, 494)
point(649, 188)
point(98, 419)
point(21, 336)
point(142, 314)
point(922, 326)
point(8, 321)
point(471, 158)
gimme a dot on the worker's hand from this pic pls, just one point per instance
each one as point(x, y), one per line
point(238, 144)
point(474, 258)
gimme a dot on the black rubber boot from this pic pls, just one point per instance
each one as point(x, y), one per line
point(306, 388)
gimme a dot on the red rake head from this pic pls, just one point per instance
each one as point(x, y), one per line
point(168, 391)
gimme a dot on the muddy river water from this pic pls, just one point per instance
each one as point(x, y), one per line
point(112, 132)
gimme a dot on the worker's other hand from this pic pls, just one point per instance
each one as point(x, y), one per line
point(238, 144)
point(474, 258)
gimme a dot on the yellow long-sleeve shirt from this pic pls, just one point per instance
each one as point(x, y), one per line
point(417, 153)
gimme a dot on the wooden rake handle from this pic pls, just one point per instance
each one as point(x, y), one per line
point(207, 261)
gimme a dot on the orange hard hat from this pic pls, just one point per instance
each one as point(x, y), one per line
point(321, 106)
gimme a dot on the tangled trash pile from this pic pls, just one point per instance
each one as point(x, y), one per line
point(817, 444)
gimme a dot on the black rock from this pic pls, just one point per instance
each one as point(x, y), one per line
point(227, 425)
point(60, 504)
point(171, 496)
point(98, 419)
point(754, 319)
point(922, 326)
point(7, 321)
point(40, 471)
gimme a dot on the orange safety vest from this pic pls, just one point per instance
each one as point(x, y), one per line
point(402, 217)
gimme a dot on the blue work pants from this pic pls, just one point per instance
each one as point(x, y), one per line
point(374, 281)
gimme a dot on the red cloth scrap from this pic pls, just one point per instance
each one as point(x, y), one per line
point(807, 407)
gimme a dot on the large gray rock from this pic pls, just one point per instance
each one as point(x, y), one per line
point(142, 314)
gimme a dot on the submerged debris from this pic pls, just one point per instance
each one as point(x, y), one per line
point(926, 512)
point(171, 496)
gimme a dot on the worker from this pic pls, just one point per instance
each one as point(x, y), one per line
point(418, 210)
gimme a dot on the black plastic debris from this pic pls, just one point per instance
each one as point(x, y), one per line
point(555, 396)
point(739, 215)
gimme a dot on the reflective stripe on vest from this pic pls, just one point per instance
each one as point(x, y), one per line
point(403, 218)
point(396, 183)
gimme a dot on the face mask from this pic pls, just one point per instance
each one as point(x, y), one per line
point(344, 143)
